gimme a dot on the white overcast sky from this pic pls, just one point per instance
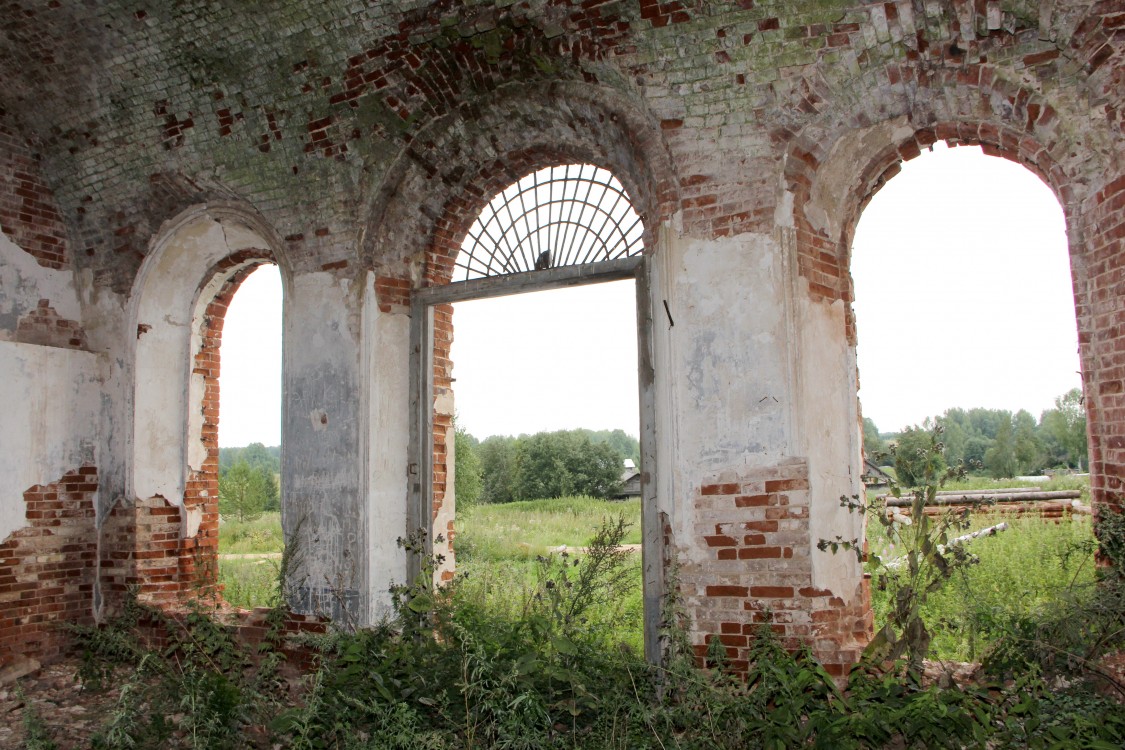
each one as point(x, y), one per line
point(963, 298)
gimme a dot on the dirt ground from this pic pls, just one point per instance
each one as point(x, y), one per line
point(69, 715)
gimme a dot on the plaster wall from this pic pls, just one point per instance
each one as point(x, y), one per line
point(51, 405)
point(24, 281)
point(388, 413)
point(725, 361)
point(829, 435)
point(166, 305)
point(324, 512)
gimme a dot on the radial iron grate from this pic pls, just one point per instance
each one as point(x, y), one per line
point(559, 216)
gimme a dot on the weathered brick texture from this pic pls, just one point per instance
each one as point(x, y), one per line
point(749, 564)
point(47, 569)
point(28, 213)
point(1102, 338)
point(369, 135)
point(144, 543)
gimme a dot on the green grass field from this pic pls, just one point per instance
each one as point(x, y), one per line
point(1022, 570)
point(514, 531)
point(252, 537)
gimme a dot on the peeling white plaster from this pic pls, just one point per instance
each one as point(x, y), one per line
point(829, 433)
point(836, 178)
point(170, 294)
point(193, 518)
point(387, 393)
point(51, 413)
point(24, 282)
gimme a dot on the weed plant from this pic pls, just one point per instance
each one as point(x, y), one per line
point(249, 583)
point(540, 650)
point(1023, 572)
point(452, 672)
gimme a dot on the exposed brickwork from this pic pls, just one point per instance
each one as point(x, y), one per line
point(1102, 339)
point(44, 326)
point(141, 545)
point(47, 568)
point(369, 135)
point(392, 293)
point(28, 213)
point(752, 566)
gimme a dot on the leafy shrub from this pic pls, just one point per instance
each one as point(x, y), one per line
point(546, 670)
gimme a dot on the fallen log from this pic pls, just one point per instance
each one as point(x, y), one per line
point(959, 498)
point(990, 531)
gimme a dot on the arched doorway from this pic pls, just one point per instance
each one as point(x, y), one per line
point(562, 226)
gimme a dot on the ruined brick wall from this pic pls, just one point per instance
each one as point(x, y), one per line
point(1102, 340)
point(367, 135)
point(166, 552)
point(47, 569)
point(749, 566)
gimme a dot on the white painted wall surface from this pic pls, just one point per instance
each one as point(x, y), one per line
point(165, 303)
point(828, 422)
point(723, 377)
point(51, 416)
point(323, 420)
point(387, 370)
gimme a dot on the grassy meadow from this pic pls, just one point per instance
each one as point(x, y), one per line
point(500, 550)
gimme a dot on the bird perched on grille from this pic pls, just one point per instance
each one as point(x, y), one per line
point(543, 262)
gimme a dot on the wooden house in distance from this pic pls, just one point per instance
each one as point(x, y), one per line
point(630, 481)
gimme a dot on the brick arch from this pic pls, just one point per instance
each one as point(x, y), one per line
point(452, 170)
point(449, 172)
point(1074, 154)
point(1006, 120)
point(994, 141)
point(163, 536)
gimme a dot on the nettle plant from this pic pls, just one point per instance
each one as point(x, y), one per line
point(928, 553)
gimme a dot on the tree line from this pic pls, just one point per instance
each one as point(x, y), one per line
point(248, 484)
point(990, 442)
point(544, 465)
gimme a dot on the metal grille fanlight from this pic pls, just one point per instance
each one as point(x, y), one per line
point(559, 216)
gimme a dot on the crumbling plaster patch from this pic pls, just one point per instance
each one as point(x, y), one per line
point(164, 308)
point(730, 350)
point(825, 388)
point(836, 177)
point(51, 420)
point(24, 282)
point(323, 466)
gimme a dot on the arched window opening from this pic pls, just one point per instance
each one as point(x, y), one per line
point(963, 294)
point(247, 377)
point(551, 426)
point(563, 226)
point(965, 319)
point(566, 215)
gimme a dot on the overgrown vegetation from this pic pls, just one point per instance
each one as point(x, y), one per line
point(1056, 616)
point(450, 670)
point(531, 647)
